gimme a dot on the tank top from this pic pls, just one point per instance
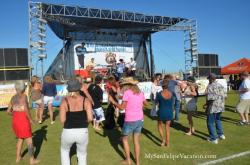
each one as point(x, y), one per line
point(189, 99)
point(77, 119)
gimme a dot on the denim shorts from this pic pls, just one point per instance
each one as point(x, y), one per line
point(99, 114)
point(132, 127)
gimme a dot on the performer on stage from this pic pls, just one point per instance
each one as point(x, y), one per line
point(81, 51)
point(132, 67)
point(91, 64)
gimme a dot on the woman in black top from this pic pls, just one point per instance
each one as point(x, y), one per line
point(75, 114)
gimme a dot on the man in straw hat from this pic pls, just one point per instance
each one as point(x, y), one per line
point(244, 103)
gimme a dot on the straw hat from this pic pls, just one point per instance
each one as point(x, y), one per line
point(129, 80)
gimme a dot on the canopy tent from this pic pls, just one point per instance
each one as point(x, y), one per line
point(237, 67)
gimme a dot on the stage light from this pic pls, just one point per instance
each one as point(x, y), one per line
point(42, 42)
point(193, 38)
point(34, 44)
point(194, 43)
point(42, 56)
point(41, 49)
point(192, 33)
point(194, 49)
point(42, 20)
point(41, 28)
point(42, 35)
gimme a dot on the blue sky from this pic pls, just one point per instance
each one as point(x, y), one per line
point(223, 27)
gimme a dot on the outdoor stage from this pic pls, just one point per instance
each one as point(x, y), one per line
point(121, 33)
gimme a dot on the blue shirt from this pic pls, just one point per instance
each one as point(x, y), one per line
point(175, 89)
point(80, 51)
point(49, 89)
point(120, 68)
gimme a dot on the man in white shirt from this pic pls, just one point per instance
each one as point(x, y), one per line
point(91, 64)
point(244, 104)
point(132, 66)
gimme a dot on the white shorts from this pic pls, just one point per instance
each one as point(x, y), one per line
point(99, 114)
point(48, 100)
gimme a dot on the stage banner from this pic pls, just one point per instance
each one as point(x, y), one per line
point(61, 92)
point(146, 88)
point(202, 85)
point(103, 53)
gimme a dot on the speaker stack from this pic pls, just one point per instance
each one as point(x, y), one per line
point(208, 63)
point(14, 64)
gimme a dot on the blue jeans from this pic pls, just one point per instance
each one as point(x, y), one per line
point(176, 106)
point(119, 75)
point(130, 127)
point(214, 122)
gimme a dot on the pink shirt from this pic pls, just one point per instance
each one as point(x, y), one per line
point(134, 108)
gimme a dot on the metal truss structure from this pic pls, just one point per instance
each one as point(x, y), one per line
point(37, 35)
point(189, 27)
point(65, 19)
point(51, 9)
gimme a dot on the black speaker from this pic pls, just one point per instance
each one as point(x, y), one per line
point(14, 64)
point(10, 57)
point(201, 60)
point(2, 77)
point(1, 58)
point(208, 60)
point(14, 57)
point(17, 74)
point(205, 71)
point(22, 57)
point(217, 71)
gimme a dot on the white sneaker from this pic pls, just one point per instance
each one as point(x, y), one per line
point(40, 122)
point(213, 141)
point(222, 137)
point(53, 122)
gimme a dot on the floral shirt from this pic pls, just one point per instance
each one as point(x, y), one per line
point(216, 93)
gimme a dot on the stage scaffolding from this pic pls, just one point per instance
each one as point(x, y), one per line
point(69, 21)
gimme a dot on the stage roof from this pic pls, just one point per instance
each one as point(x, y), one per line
point(63, 19)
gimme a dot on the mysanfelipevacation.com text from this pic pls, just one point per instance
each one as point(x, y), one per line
point(152, 156)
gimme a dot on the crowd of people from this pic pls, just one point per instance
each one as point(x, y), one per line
point(83, 105)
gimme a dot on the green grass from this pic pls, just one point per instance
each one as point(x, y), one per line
point(105, 148)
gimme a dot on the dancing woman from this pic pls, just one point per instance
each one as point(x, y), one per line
point(75, 114)
point(21, 121)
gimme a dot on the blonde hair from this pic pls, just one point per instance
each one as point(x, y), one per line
point(135, 89)
point(73, 94)
point(125, 87)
